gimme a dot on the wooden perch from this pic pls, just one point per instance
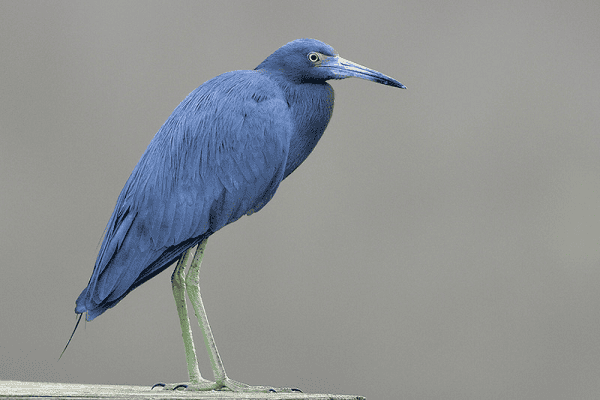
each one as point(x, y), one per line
point(75, 391)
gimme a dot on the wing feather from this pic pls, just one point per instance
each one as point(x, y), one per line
point(220, 155)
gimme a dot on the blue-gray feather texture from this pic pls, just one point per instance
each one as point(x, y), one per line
point(220, 155)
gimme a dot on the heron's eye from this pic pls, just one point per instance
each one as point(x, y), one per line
point(313, 57)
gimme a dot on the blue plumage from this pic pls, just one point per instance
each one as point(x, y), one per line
point(220, 155)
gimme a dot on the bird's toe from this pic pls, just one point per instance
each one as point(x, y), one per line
point(235, 386)
point(205, 384)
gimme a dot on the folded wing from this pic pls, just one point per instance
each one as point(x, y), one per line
point(220, 155)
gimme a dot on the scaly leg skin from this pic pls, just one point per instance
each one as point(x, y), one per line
point(222, 381)
point(178, 284)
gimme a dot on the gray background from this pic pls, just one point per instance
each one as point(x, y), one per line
point(441, 242)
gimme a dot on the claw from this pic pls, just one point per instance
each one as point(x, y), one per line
point(181, 385)
point(158, 384)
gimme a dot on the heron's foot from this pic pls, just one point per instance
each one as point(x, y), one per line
point(203, 384)
point(235, 386)
point(225, 385)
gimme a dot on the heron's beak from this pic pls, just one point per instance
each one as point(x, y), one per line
point(343, 68)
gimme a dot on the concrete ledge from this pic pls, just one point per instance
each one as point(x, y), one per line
point(72, 391)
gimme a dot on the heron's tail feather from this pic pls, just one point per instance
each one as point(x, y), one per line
point(129, 268)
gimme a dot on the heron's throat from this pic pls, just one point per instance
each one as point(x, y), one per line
point(312, 108)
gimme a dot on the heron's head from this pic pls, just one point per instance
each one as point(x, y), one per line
point(310, 60)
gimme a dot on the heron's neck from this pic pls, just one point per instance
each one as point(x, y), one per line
point(311, 106)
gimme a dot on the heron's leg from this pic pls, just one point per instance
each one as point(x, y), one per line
point(178, 284)
point(192, 284)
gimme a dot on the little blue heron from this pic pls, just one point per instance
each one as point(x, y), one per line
point(222, 154)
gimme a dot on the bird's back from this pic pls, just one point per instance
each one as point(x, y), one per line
point(220, 155)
